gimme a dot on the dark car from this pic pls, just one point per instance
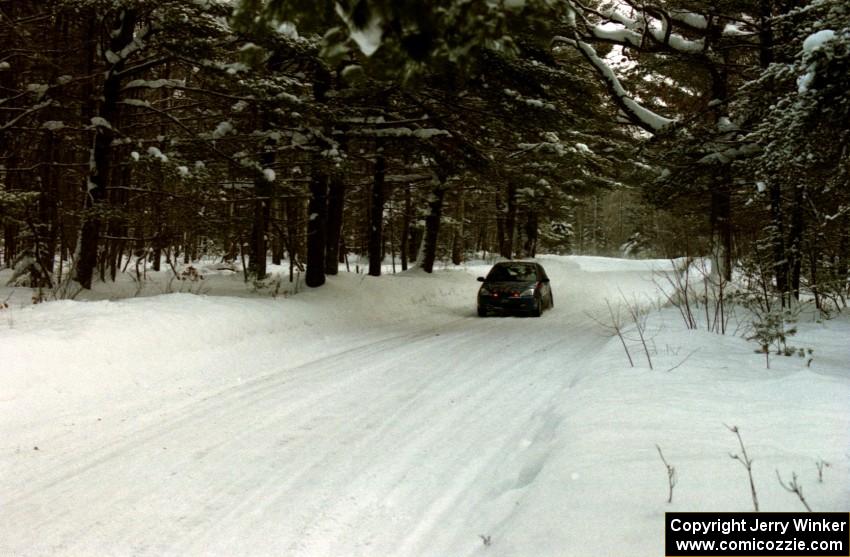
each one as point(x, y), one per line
point(515, 287)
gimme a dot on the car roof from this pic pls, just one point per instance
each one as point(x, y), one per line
point(508, 263)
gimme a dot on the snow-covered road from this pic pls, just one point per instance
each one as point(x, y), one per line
point(379, 433)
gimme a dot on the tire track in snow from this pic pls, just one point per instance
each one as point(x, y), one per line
point(475, 410)
point(243, 394)
point(235, 400)
point(387, 448)
point(362, 439)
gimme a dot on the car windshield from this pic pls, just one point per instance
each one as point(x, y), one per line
point(512, 273)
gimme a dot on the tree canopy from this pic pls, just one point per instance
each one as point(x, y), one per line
point(309, 130)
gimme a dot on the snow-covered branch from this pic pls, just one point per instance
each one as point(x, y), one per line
point(654, 24)
point(634, 111)
point(142, 66)
point(25, 113)
point(643, 27)
point(181, 85)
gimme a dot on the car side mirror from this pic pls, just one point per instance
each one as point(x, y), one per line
point(480, 279)
point(545, 280)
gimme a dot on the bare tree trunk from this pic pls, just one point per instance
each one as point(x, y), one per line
point(47, 227)
point(156, 257)
point(317, 207)
point(97, 182)
point(458, 244)
point(507, 248)
point(777, 240)
point(293, 226)
point(777, 232)
point(415, 246)
point(376, 216)
point(500, 223)
point(263, 189)
point(277, 236)
point(795, 240)
point(263, 194)
point(117, 226)
point(432, 227)
point(842, 264)
point(48, 219)
point(814, 264)
point(316, 228)
point(187, 247)
point(336, 206)
point(10, 244)
point(721, 222)
point(531, 234)
point(405, 228)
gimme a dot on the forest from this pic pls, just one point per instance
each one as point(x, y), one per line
point(239, 313)
point(164, 131)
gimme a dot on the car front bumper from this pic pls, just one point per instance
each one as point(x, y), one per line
point(507, 304)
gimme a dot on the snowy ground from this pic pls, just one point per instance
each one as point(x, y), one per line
point(381, 417)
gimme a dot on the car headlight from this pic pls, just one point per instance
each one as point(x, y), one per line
point(528, 292)
point(484, 291)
